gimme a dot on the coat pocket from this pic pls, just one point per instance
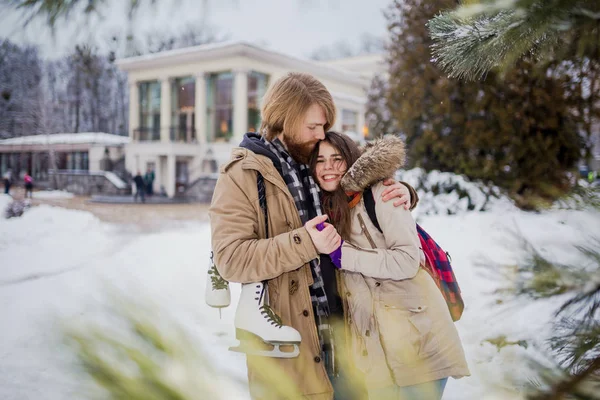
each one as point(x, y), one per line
point(426, 343)
point(406, 330)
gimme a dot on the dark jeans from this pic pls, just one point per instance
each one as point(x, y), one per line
point(425, 391)
point(343, 389)
point(6, 186)
point(29, 190)
point(139, 191)
point(150, 188)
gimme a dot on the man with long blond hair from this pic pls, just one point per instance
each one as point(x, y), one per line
point(282, 245)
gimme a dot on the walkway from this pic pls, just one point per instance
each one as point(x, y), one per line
point(145, 216)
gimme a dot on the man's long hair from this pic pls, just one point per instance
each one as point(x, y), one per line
point(287, 101)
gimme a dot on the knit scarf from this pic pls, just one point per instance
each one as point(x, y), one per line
point(306, 193)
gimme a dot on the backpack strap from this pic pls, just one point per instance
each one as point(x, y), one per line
point(370, 207)
point(262, 199)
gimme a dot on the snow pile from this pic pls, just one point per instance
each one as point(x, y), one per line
point(16, 208)
point(57, 264)
point(93, 138)
point(449, 194)
point(53, 194)
point(5, 200)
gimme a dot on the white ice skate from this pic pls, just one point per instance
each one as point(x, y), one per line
point(256, 324)
point(217, 293)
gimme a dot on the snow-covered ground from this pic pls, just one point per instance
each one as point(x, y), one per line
point(53, 194)
point(55, 265)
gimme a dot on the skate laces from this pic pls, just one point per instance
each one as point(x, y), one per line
point(265, 309)
point(218, 283)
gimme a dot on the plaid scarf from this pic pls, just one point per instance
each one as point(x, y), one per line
point(303, 189)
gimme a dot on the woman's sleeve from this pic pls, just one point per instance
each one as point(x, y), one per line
point(400, 258)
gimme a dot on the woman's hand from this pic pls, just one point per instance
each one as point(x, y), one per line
point(325, 240)
point(398, 191)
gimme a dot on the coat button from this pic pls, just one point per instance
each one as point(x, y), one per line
point(305, 313)
point(377, 284)
point(317, 359)
point(297, 239)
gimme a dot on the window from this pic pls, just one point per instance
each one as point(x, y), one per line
point(85, 161)
point(219, 106)
point(257, 86)
point(75, 160)
point(149, 102)
point(3, 163)
point(183, 101)
point(349, 121)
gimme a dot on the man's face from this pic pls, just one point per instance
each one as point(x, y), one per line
point(302, 142)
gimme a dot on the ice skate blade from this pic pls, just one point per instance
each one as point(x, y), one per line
point(274, 353)
point(245, 336)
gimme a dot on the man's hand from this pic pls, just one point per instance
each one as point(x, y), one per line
point(396, 191)
point(325, 240)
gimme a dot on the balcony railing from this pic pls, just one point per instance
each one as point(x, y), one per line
point(182, 134)
point(144, 134)
point(176, 134)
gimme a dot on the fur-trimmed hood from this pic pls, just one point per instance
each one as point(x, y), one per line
point(380, 159)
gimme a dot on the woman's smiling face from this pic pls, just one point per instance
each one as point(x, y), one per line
point(330, 167)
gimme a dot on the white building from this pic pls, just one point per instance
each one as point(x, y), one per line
point(83, 152)
point(189, 107)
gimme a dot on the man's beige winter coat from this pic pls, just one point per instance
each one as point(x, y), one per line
point(238, 226)
point(401, 329)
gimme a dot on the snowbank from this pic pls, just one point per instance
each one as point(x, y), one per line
point(56, 264)
point(5, 200)
point(449, 194)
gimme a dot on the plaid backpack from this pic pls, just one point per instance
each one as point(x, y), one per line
point(437, 262)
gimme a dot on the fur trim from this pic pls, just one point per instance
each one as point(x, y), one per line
point(380, 160)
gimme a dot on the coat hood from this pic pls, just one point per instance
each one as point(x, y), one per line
point(380, 160)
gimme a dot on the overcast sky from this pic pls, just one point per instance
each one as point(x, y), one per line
point(295, 27)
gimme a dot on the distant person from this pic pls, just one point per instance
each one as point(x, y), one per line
point(28, 185)
point(7, 178)
point(140, 187)
point(149, 180)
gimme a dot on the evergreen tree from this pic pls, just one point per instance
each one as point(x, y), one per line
point(20, 76)
point(473, 39)
point(377, 116)
point(563, 38)
point(518, 132)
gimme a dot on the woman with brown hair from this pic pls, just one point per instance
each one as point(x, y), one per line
point(401, 335)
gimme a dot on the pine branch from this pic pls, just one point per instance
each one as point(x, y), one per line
point(571, 385)
point(473, 39)
point(575, 374)
point(55, 10)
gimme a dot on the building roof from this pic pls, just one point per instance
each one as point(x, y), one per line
point(368, 65)
point(235, 48)
point(100, 138)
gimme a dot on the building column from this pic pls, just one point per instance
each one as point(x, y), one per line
point(360, 122)
point(165, 109)
point(240, 106)
point(134, 109)
point(170, 177)
point(200, 108)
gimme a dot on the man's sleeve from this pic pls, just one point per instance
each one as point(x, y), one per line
point(414, 197)
point(239, 254)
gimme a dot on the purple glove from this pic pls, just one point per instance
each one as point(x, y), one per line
point(336, 255)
